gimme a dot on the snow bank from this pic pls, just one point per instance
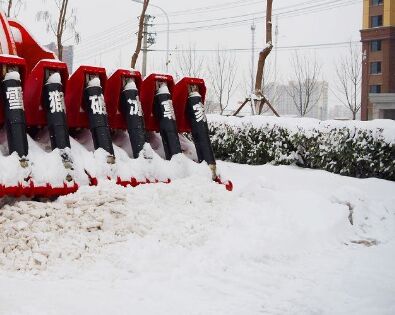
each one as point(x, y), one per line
point(359, 149)
point(308, 124)
point(280, 243)
point(77, 227)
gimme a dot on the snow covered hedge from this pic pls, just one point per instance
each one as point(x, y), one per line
point(359, 149)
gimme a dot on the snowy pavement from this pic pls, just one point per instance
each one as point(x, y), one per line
point(280, 243)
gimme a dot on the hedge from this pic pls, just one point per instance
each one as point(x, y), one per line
point(358, 149)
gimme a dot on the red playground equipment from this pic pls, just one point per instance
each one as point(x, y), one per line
point(57, 129)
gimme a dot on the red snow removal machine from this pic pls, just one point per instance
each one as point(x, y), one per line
point(61, 131)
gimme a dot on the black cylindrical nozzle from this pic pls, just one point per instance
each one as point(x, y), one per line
point(133, 115)
point(14, 113)
point(98, 120)
point(164, 113)
point(199, 126)
point(53, 99)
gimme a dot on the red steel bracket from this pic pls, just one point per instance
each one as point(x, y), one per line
point(27, 47)
point(13, 61)
point(148, 91)
point(112, 96)
point(76, 115)
point(180, 99)
point(32, 94)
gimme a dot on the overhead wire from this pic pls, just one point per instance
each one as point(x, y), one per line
point(124, 28)
point(121, 40)
point(328, 5)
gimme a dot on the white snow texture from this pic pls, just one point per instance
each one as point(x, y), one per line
point(281, 243)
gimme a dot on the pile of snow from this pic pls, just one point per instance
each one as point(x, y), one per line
point(12, 75)
point(94, 82)
point(281, 243)
point(76, 228)
point(307, 124)
point(54, 78)
point(46, 166)
point(130, 85)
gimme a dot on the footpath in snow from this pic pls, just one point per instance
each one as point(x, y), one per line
point(280, 243)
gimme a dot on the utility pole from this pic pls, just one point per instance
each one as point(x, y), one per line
point(148, 41)
point(276, 33)
point(253, 28)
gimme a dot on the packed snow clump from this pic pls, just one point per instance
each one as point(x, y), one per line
point(77, 227)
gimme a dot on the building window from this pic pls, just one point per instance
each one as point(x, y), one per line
point(375, 45)
point(375, 67)
point(377, 2)
point(375, 89)
point(376, 21)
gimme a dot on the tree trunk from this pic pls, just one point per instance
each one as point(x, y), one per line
point(266, 51)
point(9, 8)
point(61, 27)
point(60, 47)
point(139, 35)
point(262, 59)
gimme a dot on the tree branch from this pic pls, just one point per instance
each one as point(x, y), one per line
point(139, 35)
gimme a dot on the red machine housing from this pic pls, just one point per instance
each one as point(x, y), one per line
point(180, 100)
point(74, 99)
point(148, 91)
point(27, 47)
point(32, 95)
point(12, 61)
point(113, 92)
point(7, 47)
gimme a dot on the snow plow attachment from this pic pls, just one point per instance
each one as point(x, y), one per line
point(18, 178)
point(158, 111)
point(60, 131)
point(188, 99)
point(124, 107)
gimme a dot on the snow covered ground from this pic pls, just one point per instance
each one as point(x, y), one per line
point(280, 243)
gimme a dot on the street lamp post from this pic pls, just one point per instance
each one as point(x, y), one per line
point(168, 31)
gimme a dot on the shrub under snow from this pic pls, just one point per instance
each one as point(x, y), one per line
point(359, 149)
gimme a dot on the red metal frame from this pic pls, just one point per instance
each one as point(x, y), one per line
point(28, 48)
point(10, 49)
point(34, 60)
point(180, 99)
point(76, 115)
point(148, 90)
point(32, 94)
point(37, 191)
point(19, 62)
point(113, 93)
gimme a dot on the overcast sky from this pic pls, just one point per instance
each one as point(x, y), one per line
point(107, 30)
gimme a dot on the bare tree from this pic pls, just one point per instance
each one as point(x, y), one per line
point(259, 80)
point(189, 63)
point(304, 87)
point(266, 51)
point(269, 87)
point(349, 75)
point(139, 34)
point(223, 78)
point(259, 100)
point(12, 8)
point(64, 21)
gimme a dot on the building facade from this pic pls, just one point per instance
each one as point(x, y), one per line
point(284, 104)
point(68, 54)
point(378, 64)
